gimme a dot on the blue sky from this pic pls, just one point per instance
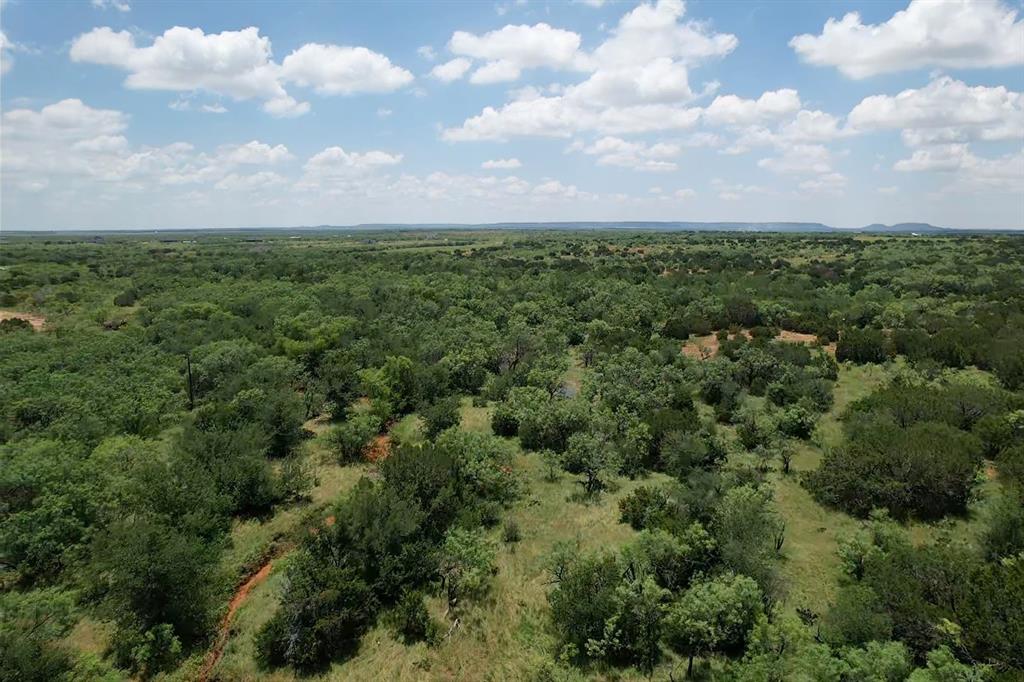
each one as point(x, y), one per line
point(122, 114)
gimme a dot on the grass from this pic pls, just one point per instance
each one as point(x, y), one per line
point(507, 635)
point(810, 567)
point(476, 419)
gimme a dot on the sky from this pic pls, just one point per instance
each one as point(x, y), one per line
point(123, 114)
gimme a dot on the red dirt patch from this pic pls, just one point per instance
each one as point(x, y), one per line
point(224, 630)
point(378, 449)
point(701, 347)
point(796, 337)
point(37, 321)
point(706, 347)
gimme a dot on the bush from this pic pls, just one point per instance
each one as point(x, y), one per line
point(861, 346)
point(441, 415)
point(927, 470)
point(350, 438)
point(644, 507)
point(504, 421)
point(511, 532)
point(323, 614)
point(797, 421)
point(857, 617)
point(411, 620)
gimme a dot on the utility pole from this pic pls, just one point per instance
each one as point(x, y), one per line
point(191, 393)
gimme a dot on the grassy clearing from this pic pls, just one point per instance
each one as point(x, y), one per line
point(506, 636)
point(477, 419)
point(810, 566)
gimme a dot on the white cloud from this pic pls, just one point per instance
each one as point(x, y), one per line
point(69, 144)
point(383, 113)
point(249, 183)
point(614, 151)
point(800, 158)
point(735, 192)
point(451, 70)
point(334, 161)
point(638, 80)
point(952, 34)
point(596, 4)
point(7, 48)
point(119, 5)
point(215, 109)
point(685, 193)
point(733, 110)
point(510, 49)
point(827, 183)
point(501, 71)
point(254, 152)
point(889, 190)
point(238, 64)
point(946, 110)
point(650, 31)
point(501, 164)
point(969, 171)
point(703, 139)
point(555, 189)
point(342, 70)
point(426, 52)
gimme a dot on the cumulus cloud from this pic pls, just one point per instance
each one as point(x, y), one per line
point(341, 70)
point(500, 71)
point(952, 34)
point(827, 183)
point(946, 110)
point(509, 50)
point(734, 192)
point(969, 172)
point(7, 48)
point(799, 159)
point(249, 183)
point(451, 70)
point(733, 110)
point(614, 151)
point(501, 164)
point(337, 163)
point(69, 141)
point(638, 80)
point(119, 5)
point(238, 64)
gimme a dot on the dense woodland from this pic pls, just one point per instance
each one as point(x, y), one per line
point(512, 455)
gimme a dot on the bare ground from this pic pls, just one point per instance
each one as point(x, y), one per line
point(37, 321)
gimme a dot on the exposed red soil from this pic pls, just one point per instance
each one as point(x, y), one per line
point(706, 347)
point(37, 321)
point(378, 449)
point(224, 630)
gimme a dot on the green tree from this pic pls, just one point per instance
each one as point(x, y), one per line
point(713, 616)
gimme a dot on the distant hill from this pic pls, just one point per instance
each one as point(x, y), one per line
point(649, 226)
point(662, 226)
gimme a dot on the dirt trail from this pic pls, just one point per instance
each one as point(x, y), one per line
point(224, 630)
point(37, 321)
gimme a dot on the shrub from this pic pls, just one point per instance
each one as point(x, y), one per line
point(411, 620)
point(440, 415)
point(511, 532)
point(350, 438)
point(861, 346)
point(644, 507)
point(926, 470)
